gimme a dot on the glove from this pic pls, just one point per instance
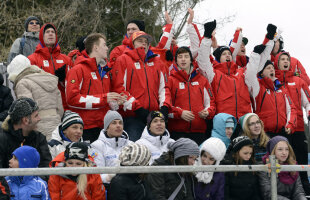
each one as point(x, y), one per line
point(169, 56)
point(209, 28)
point(259, 48)
point(271, 31)
point(61, 73)
point(164, 111)
point(142, 114)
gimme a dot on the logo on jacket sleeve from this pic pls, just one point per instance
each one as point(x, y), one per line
point(150, 63)
point(72, 81)
point(46, 63)
point(195, 83)
point(59, 61)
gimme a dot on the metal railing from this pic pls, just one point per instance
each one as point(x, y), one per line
point(160, 169)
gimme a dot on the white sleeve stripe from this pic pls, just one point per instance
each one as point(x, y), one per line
point(161, 91)
point(206, 99)
point(288, 110)
point(125, 80)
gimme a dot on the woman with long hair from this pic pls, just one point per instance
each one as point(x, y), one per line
point(253, 127)
point(288, 183)
point(79, 187)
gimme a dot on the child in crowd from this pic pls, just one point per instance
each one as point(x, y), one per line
point(210, 185)
point(242, 185)
point(183, 151)
point(253, 127)
point(223, 127)
point(26, 187)
point(79, 187)
point(155, 135)
point(70, 130)
point(131, 186)
point(288, 183)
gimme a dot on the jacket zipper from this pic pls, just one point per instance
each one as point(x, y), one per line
point(175, 96)
point(217, 91)
point(189, 101)
point(53, 63)
point(262, 101)
point(147, 84)
point(89, 86)
point(130, 79)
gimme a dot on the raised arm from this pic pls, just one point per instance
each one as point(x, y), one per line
point(236, 43)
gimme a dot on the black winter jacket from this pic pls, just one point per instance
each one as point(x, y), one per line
point(4, 189)
point(129, 187)
point(11, 140)
point(6, 99)
point(164, 184)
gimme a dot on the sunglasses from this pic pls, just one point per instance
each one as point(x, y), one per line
point(32, 23)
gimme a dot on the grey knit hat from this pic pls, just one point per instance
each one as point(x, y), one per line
point(21, 108)
point(29, 19)
point(184, 147)
point(135, 155)
point(109, 117)
point(70, 118)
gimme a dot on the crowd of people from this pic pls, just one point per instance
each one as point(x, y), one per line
point(161, 105)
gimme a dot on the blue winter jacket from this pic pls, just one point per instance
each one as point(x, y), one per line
point(27, 187)
point(219, 125)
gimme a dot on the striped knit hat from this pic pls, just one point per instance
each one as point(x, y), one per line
point(135, 155)
point(70, 118)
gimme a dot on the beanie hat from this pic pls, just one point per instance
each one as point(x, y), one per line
point(21, 108)
point(183, 147)
point(215, 147)
point(268, 62)
point(184, 48)
point(151, 116)
point(138, 34)
point(27, 156)
point(139, 23)
point(240, 142)
point(80, 43)
point(245, 117)
point(230, 123)
point(17, 65)
point(70, 118)
point(274, 141)
point(29, 19)
point(47, 26)
point(218, 52)
point(109, 117)
point(76, 150)
point(135, 155)
point(245, 40)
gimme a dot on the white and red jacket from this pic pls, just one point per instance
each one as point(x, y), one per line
point(298, 91)
point(140, 77)
point(190, 92)
point(86, 92)
point(50, 59)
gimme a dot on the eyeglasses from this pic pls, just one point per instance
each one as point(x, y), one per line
point(255, 123)
point(32, 23)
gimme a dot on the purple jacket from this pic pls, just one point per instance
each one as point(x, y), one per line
point(213, 190)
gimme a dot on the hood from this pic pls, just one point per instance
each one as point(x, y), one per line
point(116, 141)
point(156, 140)
point(31, 35)
point(267, 83)
point(45, 80)
point(219, 123)
point(276, 60)
point(284, 76)
point(228, 68)
point(181, 75)
point(91, 63)
point(127, 41)
point(42, 32)
point(8, 127)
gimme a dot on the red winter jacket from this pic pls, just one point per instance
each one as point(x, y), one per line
point(50, 59)
point(275, 108)
point(188, 92)
point(86, 92)
point(141, 79)
point(299, 93)
point(231, 92)
point(118, 51)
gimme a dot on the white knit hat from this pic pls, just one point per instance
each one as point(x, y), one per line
point(17, 65)
point(135, 155)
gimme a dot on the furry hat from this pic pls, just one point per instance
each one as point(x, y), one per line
point(22, 107)
point(17, 65)
point(135, 155)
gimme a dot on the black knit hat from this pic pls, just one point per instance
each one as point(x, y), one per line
point(240, 142)
point(151, 116)
point(76, 150)
point(70, 118)
point(139, 23)
point(29, 20)
point(80, 43)
point(245, 41)
point(185, 48)
point(22, 107)
point(268, 62)
point(218, 52)
point(47, 26)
